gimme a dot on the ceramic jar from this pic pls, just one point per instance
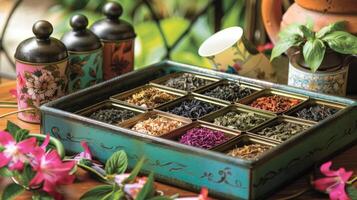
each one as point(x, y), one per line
point(41, 64)
point(329, 82)
point(117, 37)
point(85, 55)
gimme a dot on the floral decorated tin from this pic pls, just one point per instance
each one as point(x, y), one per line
point(41, 67)
point(85, 55)
point(118, 41)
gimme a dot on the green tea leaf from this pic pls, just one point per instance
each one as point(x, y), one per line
point(12, 128)
point(117, 163)
point(314, 51)
point(97, 193)
point(284, 44)
point(5, 172)
point(148, 189)
point(337, 26)
point(342, 42)
point(352, 192)
point(11, 191)
point(307, 33)
point(135, 171)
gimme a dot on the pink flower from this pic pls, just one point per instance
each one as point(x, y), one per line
point(132, 189)
point(202, 196)
point(13, 93)
point(334, 182)
point(86, 154)
point(51, 171)
point(14, 154)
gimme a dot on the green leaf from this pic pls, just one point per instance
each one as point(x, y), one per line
point(12, 128)
point(21, 134)
point(41, 196)
point(306, 32)
point(135, 171)
point(292, 29)
point(337, 26)
point(11, 191)
point(342, 42)
point(5, 172)
point(27, 175)
point(284, 44)
point(117, 163)
point(314, 51)
point(352, 192)
point(309, 23)
point(148, 189)
point(118, 194)
point(97, 193)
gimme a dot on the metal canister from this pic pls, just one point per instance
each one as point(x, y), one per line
point(41, 64)
point(118, 41)
point(85, 55)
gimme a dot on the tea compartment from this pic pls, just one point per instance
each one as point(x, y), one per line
point(238, 117)
point(192, 106)
point(247, 147)
point(282, 128)
point(155, 123)
point(202, 135)
point(274, 101)
point(110, 112)
point(185, 81)
point(229, 91)
point(147, 96)
point(316, 110)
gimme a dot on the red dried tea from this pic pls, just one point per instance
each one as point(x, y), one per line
point(203, 137)
point(275, 103)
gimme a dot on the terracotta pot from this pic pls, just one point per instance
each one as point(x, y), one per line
point(322, 12)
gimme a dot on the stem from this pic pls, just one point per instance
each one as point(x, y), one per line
point(18, 111)
point(293, 196)
point(350, 182)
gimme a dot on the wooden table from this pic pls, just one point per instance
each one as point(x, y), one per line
point(346, 159)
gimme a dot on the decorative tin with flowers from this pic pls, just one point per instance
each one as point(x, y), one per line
point(41, 64)
point(118, 41)
point(85, 55)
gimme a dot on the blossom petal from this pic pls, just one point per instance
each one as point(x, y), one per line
point(87, 153)
point(344, 175)
point(50, 188)
point(325, 169)
point(16, 166)
point(339, 193)
point(37, 179)
point(5, 138)
point(4, 160)
point(26, 146)
point(45, 142)
point(323, 183)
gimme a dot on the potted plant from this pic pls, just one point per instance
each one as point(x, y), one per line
point(317, 59)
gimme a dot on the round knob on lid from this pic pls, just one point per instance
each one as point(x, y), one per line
point(79, 22)
point(42, 29)
point(112, 10)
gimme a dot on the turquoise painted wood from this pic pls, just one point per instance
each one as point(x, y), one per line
point(189, 167)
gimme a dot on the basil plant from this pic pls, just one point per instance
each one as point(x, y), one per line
point(314, 44)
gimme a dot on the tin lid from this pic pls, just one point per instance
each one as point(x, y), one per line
point(113, 28)
point(80, 38)
point(42, 48)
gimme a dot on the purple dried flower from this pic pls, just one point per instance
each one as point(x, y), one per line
point(203, 137)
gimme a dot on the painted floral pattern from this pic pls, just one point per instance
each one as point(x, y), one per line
point(85, 70)
point(37, 85)
point(118, 58)
point(329, 83)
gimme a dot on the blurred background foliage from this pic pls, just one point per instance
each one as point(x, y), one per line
point(175, 17)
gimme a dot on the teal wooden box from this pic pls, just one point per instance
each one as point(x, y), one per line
point(225, 177)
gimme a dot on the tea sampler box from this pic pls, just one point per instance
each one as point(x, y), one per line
point(288, 145)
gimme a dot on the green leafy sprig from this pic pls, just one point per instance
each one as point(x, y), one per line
point(314, 44)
